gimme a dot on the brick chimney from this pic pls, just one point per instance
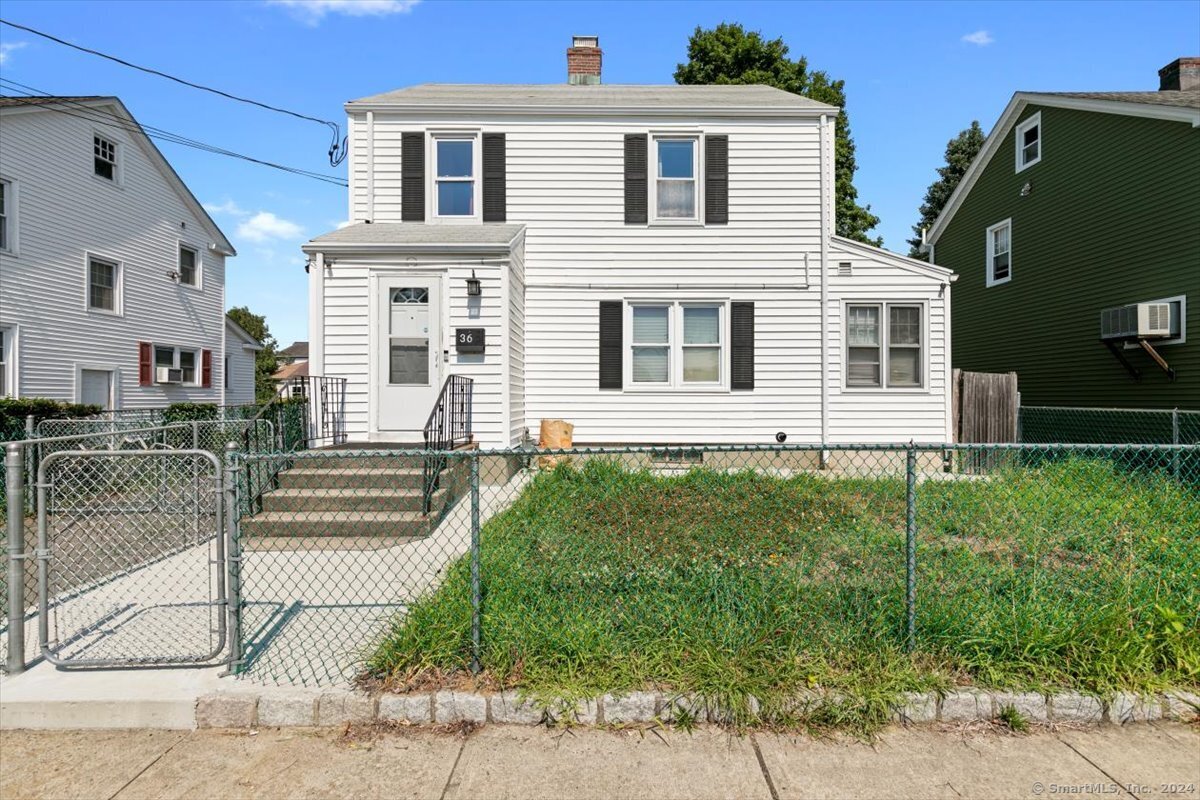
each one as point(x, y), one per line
point(583, 60)
point(1180, 74)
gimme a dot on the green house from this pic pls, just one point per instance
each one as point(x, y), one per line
point(1076, 237)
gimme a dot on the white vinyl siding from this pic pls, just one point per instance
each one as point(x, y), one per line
point(565, 182)
point(66, 214)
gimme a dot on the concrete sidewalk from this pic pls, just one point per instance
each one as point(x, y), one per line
point(1150, 760)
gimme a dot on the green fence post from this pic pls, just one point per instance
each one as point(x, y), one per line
point(475, 586)
point(233, 555)
point(15, 476)
point(910, 599)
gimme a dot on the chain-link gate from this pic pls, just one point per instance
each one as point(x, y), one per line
point(131, 558)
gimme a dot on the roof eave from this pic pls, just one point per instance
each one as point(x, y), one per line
point(935, 271)
point(401, 247)
point(1008, 117)
point(355, 106)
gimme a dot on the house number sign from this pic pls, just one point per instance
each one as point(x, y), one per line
point(468, 340)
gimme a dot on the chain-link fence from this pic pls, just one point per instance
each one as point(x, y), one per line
point(759, 572)
point(131, 555)
point(1048, 424)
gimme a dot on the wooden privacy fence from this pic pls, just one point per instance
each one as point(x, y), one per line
point(986, 409)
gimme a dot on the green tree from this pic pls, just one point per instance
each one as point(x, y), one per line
point(265, 362)
point(960, 152)
point(728, 54)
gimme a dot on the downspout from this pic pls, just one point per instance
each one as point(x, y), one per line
point(824, 269)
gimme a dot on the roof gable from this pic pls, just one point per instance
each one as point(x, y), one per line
point(1178, 106)
point(27, 105)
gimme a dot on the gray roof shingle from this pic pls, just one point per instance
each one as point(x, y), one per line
point(409, 233)
point(599, 95)
point(1183, 99)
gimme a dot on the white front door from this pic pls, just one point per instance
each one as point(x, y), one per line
point(408, 358)
point(95, 387)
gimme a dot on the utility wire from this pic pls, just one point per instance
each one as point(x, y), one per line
point(337, 150)
point(110, 119)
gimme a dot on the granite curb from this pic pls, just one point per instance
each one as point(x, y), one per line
point(270, 707)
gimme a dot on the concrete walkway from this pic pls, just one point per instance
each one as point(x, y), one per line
point(1144, 761)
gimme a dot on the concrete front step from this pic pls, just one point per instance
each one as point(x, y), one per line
point(352, 477)
point(348, 500)
point(322, 524)
point(356, 461)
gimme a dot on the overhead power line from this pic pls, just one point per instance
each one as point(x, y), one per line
point(337, 149)
point(101, 116)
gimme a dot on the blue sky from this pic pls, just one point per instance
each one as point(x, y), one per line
point(916, 73)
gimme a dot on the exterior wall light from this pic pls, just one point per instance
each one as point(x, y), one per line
point(474, 288)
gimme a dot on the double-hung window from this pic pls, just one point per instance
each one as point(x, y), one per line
point(189, 266)
point(104, 279)
point(455, 179)
point(8, 372)
point(186, 361)
point(999, 253)
point(104, 157)
point(7, 203)
point(1029, 142)
point(676, 160)
point(677, 345)
point(884, 346)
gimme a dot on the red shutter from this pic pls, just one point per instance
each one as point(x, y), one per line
point(206, 368)
point(145, 364)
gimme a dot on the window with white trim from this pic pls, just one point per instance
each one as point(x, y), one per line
point(999, 253)
point(884, 346)
point(7, 217)
point(1029, 142)
point(454, 176)
point(677, 344)
point(8, 362)
point(677, 164)
point(182, 359)
point(104, 157)
point(189, 266)
point(104, 285)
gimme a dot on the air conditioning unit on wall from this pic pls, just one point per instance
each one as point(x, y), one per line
point(169, 375)
point(1136, 321)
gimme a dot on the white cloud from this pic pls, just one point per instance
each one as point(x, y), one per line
point(981, 38)
point(312, 12)
point(228, 207)
point(265, 226)
point(7, 48)
point(343, 224)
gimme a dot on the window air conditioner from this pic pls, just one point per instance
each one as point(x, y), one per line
point(1136, 321)
point(170, 375)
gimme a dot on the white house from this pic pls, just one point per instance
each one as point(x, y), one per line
point(655, 264)
point(112, 276)
point(239, 366)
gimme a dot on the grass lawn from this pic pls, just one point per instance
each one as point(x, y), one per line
point(1072, 574)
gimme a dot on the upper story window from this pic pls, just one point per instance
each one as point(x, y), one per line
point(677, 345)
point(883, 346)
point(7, 217)
point(105, 157)
point(454, 171)
point(999, 253)
point(676, 161)
point(104, 285)
point(189, 266)
point(1029, 142)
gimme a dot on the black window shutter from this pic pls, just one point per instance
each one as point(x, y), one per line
point(741, 343)
point(636, 169)
point(412, 177)
point(716, 180)
point(494, 186)
point(612, 349)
